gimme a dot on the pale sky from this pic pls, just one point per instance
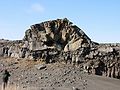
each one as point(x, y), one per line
point(99, 19)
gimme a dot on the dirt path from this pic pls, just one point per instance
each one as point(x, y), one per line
point(102, 83)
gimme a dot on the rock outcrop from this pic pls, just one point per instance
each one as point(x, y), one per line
point(60, 34)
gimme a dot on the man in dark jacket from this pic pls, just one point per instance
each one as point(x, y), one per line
point(5, 78)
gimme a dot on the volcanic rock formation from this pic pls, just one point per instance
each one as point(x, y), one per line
point(60, 34)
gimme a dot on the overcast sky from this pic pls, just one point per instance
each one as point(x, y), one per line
point(99, 19)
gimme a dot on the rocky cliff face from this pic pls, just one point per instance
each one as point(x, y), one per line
point(60, 34)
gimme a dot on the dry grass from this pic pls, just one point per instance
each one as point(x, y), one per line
point(12, 87)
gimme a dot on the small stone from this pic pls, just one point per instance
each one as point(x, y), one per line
point(40, 66)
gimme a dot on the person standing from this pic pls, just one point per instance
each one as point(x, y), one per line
point(5, 78)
